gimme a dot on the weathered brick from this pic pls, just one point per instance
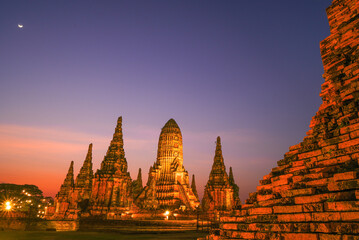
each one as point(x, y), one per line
point(298, 192)
point(342, 206)
point(324, 197)
point(297, 169)
point(300, 236)
point(345, 176)
point(265, 197)
point(349, 216)
point(321, 227)
point(228, 219)
point(288, 209)
point(282, 181)
point(281, 227)
point(317, 183)
point(246, 206)
point(295, 147)
point(257, 211)
point(350, 128)
point(313, 207)
point(244, 235)
point(350, 237)
point(343, 185)
point(326, 217)
point(348, 143)
point(282, 188)
point(309, 154)
point(230, 226)
point(296, 217)
point(354, 134)
point(335, 161)
point(330, 237)
point(271, 202)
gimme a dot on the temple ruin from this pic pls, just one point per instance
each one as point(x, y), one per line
point(313, 193)
point(168, 183)
point(221, 192)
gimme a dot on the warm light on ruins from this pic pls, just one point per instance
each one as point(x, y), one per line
point(8, 205)
point(167, 213)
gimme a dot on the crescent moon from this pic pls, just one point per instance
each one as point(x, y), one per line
point(20, 26)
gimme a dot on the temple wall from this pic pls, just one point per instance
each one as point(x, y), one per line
point(313, 193)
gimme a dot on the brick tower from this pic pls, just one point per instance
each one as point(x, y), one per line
point(219, 192)
point(168, 183)
point(111, 189)
point(313, 193)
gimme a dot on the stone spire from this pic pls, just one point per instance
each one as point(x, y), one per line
point(139, 178)
point(68, 184)
point(112, 184)
point(193, 186)
point(168, 181)
point(63, 197)
point(234, 185)
point(84, 178)
point(170, 148)
point(219, 192)
point(115, 161)
point(218, 173)
point(137, 186)
point(69, 180)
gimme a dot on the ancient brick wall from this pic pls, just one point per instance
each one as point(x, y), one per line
point(313, 193)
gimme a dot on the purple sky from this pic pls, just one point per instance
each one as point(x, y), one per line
point(248, 71)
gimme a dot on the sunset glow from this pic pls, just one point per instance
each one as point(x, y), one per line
point(218, 69)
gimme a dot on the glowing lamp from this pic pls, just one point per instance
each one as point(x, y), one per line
point(8, 206)
point(167, 213)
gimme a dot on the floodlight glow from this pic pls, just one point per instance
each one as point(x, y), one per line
point(8, 206)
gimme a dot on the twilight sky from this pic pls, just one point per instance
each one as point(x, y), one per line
point(248, 71)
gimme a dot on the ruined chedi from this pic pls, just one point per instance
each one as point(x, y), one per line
point(83, 185)
point(193, 186)
point(74, 196)
point(168, 182)
point(313, 193)
point(63, 197)
point(111, 189)
point(137, 185)
point(221, 192)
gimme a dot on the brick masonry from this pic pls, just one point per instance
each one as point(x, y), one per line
point(313, 193)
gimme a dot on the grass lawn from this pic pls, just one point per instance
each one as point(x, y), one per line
point(29, 235)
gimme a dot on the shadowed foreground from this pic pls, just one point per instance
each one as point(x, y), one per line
point(26, 235)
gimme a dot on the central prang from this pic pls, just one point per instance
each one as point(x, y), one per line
point(168, 182)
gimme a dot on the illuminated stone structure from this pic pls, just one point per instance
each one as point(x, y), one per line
point(111, 189)
point(221, 192)
point(168, 183)
point(235, 188)
point(83, 185)
point(137, 185)
point(193, 186)
point(74, 196)
point(313, 193)
point(63, 197)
